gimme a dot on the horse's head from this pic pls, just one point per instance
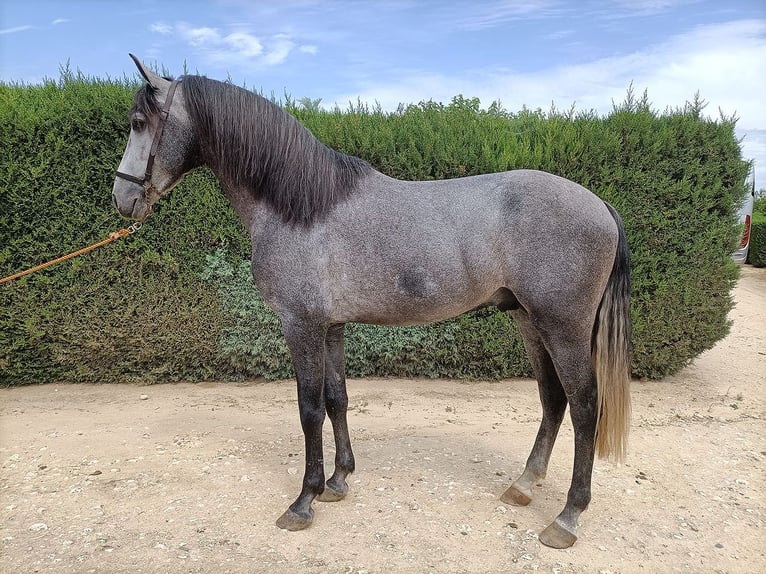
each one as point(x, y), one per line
point(160, 147)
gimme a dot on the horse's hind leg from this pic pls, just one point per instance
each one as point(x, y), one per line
point(336, 401)
point(554, 403)
point(570, 350)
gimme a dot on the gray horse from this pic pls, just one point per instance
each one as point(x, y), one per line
point(335, 241)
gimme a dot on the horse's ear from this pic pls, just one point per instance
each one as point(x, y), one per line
point(151, 78)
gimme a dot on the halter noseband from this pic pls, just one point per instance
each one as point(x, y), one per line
point(146, 182)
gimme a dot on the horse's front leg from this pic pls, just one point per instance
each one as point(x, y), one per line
point(306, 341)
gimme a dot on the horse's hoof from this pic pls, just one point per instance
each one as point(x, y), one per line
point(556, 536)
point(517, 496)
point(293, 521)
point(329, 494)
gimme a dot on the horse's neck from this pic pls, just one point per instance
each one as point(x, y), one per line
point(243, 202)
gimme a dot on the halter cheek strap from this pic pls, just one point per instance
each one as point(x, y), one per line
point(146, 182)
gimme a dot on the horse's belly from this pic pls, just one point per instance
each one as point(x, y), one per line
point(411, 296)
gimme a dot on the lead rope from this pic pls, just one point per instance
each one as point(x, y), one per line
point(113, 236)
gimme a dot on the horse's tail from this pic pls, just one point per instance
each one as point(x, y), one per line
point(611, 354)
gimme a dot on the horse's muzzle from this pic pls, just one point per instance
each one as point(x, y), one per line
point(131, 206)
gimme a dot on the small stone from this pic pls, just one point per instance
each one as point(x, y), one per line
point(292, 470)
point(38, 526)
point(144, 397)
point(719, 545)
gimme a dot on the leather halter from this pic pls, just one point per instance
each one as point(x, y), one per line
point(146, 182)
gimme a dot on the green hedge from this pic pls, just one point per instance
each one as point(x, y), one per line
point(756, 255)
point(175, 301)
point(136, 310)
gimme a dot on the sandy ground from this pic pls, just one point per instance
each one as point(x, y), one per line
point(190, 478)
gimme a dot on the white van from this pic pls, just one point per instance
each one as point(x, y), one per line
point(745, 218)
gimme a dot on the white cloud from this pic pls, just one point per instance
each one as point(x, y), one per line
point(244, 44)
point(726, 63)
point(240, 47)
point(478, 16)
point(60, 21)
point(280, 48)
point(559, 35)
point(200, 36)
point(161, 28)
point(754, 147)
point(308, 49)
point(15, 29)
point(649, 7)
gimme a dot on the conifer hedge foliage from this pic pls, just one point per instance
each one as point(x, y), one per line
point(176, 301)
point(757, 253)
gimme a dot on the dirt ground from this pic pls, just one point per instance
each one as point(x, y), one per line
point(190, 478)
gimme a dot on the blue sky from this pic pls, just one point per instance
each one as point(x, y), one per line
point(520, 52)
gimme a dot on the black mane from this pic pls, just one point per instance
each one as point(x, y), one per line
point(253, 143)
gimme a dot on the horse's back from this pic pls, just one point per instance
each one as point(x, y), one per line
point(517, 215)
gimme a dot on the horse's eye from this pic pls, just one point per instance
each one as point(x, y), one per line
point(137, 124)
